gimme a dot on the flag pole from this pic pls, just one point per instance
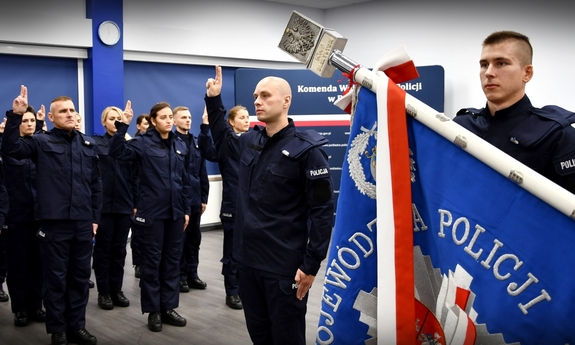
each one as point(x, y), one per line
point(325, 55)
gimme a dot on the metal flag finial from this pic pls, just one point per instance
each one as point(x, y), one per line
point(312, 45)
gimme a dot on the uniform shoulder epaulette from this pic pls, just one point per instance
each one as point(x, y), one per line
point(552, 112)
point(469, 111)
point(535, 129)
point(303, 142)
point(312, 137)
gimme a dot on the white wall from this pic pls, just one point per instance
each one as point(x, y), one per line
point(450, 34)
point(59, 23)
point(211, 215)
point(246, 31)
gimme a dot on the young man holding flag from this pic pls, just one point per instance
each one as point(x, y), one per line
point(542, 138)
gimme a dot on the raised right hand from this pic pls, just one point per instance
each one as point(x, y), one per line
point(128, 113)
point(214, 86)
point(41, 114)
point(20, 103)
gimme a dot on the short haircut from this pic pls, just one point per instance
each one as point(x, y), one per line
point(59, 99)
point(526, 50)
point(179, 108)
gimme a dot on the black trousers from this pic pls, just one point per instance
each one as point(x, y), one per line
point(161, 249)
point(191, 250)
point(110, 252)
point(23, 264)
point(66, 252)
point(3, 257)
point(135, 246)
point(229, 263)
point(274, 315)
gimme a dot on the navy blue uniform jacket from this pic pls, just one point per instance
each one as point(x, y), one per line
point(228, 158)
point(197, 173)
point(285, 204)
point(68, 183)
point(119, 179)
point(164, 187)
point(4, 204)
point(20, 175)
point(542, 139)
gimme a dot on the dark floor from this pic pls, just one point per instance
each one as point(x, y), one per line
point(210, 321)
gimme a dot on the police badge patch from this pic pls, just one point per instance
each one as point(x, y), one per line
point(565, 166)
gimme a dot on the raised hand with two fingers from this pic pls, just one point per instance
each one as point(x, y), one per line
point(41, 114)
point(20, 103)
point(214, 86)
point(128, 113)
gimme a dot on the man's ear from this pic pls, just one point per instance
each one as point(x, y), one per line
point(51, 116)
point(527, 73)
point(287, 101)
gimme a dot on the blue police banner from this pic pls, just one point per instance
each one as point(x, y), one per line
point(349, 300)
point(488, 254)
point(490, 262)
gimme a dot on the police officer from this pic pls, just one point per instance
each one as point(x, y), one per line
point(118, 184)
point(284, 212)
point(69, 193)
point(24, 274)
point(228, 162)
point(542, 138)
point(142, 125)
point(162, 210)
point(198, 177)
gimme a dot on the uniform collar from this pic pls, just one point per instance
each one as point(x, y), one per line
point(182, 135)
point(63, 133)
point(282, 132)
point(188, 138)
point(517, 109)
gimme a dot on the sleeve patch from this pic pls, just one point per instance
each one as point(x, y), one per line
point(317, 173)
point(565, 166)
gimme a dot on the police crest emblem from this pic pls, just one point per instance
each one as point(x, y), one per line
point(362, 154)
